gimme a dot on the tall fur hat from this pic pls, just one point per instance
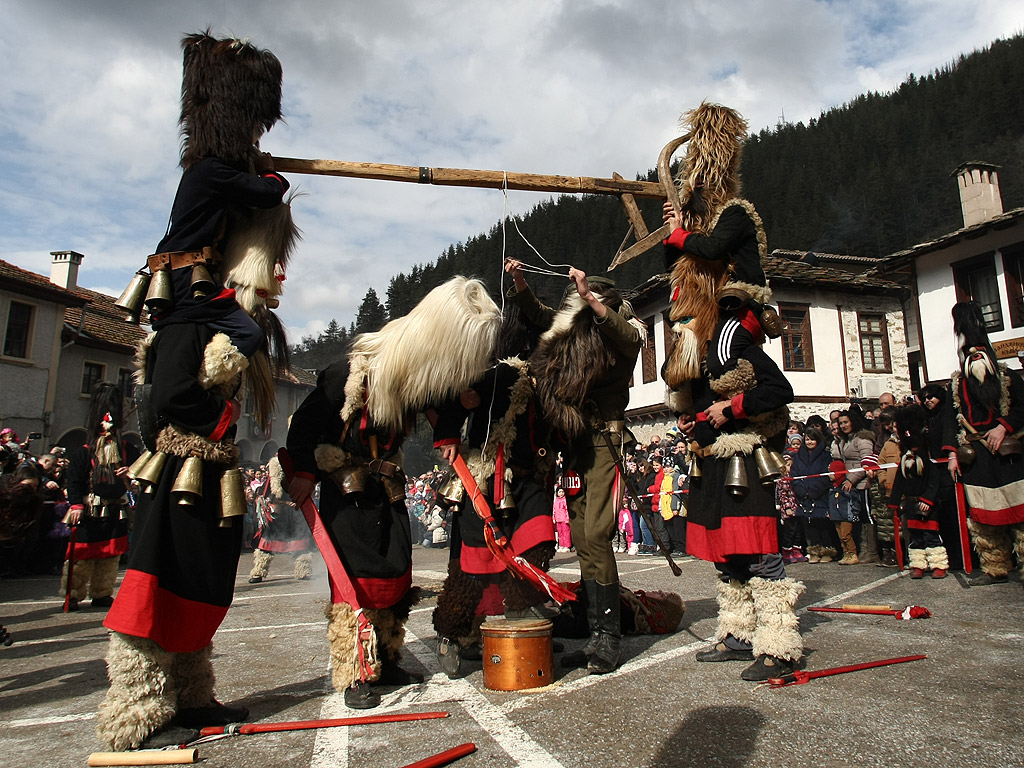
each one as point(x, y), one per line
point(572, 355)
point(230, 93)
point(710, 172)
point(969, 329)
point(437, 350)
point(912, 431)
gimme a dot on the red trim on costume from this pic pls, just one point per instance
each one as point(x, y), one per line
point(143, 609)
point(275, 547)
point(446, 441)
point(677, 239)
point(275, 177)
point(478, 561)
point(916, 524)
point(224, 423)
point(377, 593)
point(76, 506)
point(99, 550)
point(491, 602)
point(736, 403)
point(1005, 423)
point(536, 530)
point(225, 293)
point(749, 321)
point(1008, 516)
point(737, 536)
point(702, 416)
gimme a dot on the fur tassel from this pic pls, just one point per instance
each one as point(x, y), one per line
point(259, 382)
point(260, 242)
point(456, 323)
point(276, 474)
point(683, 363)
point(142, 357)
point(329, 457)
point(222, 362)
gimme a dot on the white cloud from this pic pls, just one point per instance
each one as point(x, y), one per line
point(88, 109)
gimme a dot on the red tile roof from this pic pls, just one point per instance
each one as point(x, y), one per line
point(104, 323)
point(21, 280)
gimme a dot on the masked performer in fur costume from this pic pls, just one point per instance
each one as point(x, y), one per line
point(915, 490)
point(506, 450)
point(188, 526)
point(719, 290)
point(348, 435)
point(21, 506)
point(731, 394)
point(987, 421)
point(582, 368)
point(97, 492)
point(282, 529)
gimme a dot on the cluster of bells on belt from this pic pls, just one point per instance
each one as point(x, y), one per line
point(452, 492)
point(188, 489)
point(155, 292)
point(770, 466)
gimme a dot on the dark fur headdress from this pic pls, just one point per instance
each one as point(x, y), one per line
point(978, 360)
point(572, 355)
point(230, 90)
point(912, 430)
point(710, 173)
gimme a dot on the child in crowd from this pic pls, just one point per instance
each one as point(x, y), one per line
point(561, 515)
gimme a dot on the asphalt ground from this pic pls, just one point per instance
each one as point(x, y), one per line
point(962, 706)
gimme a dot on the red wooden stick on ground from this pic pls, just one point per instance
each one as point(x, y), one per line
point(301, 725)
point(800, 676)
point(443, 758)
point(910, 612)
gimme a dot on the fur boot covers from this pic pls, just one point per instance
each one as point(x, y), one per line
point(390, 626)
point(937, 558)
point(918, 558)
point(777, 633)
point(302, 568)
point(80, 578)
point(142, 695)
point(736, 615)
point(342, 635)
point(260, 564)
point(104, 577)
point(194, 678)
point(993, 544)
point(457, 603)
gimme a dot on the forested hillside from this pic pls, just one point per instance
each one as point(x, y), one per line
point(868, 178)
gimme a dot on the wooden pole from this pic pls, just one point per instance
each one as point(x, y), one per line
point(145, 757)
point(461, 177)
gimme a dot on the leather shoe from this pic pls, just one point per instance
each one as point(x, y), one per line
point(392, 674)
point(939, 573)
point(917, 573)
point(361, 696)
point(448, 657)
point(214, 714)
point(722, 652)
point(765, 667)
point(102, 602)
point(985, 579)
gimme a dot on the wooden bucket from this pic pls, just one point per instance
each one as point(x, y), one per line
point(517, 654)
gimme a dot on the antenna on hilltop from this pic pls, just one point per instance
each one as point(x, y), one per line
point(782, 119)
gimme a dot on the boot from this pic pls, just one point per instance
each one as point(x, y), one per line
point(918, 562)
point(736, 619)
point(389, 626)
point(581, 657)
point(260, 566)
point(777, 643)
point(607, 648)
point(302, 568)
point(828, 555)
point(938, 561)
point(142, 697)
point(346, 669)
point(814, 553)
point(845, 531)
point(869, 550)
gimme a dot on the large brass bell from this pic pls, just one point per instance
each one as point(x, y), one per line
point(161, 291)
point(507, 502)
point(232, 496)
point(202, 283)
point(736, 477)
point(767, 470)
point(149, 475)
point(133, 298)
point(188, 485)
point(138, 464)
point(694, 470)
point(452, 491)
point(780, 462)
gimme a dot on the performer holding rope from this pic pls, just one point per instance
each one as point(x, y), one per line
point(582, 368)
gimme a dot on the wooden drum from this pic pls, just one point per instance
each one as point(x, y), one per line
point(517, 654)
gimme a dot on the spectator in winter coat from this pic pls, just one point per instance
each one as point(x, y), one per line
point(811, 487)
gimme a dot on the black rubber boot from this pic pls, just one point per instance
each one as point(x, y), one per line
point(581, 658)
point(609, 630)
point(215, 714)
point(361, 696)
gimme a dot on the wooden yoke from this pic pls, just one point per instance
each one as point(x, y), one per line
point(627, 191)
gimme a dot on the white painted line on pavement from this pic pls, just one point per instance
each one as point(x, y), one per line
point(29, 722)
point(330, 748)
point(223, 630)
point(516, 742)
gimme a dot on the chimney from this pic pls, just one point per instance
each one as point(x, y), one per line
point(979, 192)
point(64, 269)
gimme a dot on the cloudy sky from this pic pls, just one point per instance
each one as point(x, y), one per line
point(89, 106)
